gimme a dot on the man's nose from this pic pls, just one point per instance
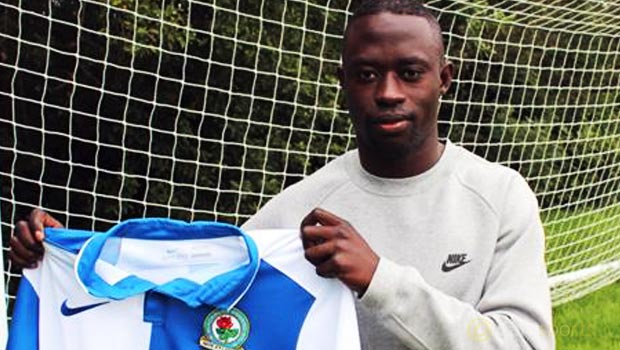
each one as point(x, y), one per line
point(389, 91)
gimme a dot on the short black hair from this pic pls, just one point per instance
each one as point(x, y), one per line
point(398, 7)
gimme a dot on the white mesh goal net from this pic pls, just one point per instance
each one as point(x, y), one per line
point(205, 109)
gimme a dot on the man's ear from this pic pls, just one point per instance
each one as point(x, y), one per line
point(341, 77)
point(446, 76)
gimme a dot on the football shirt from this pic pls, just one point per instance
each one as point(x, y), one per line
point(167, 284)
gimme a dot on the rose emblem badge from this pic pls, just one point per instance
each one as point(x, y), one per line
point(223, 330)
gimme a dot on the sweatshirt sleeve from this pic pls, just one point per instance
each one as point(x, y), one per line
point(514, 311)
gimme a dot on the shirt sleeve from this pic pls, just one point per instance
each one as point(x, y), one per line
point(24, 330)
point(514, 311)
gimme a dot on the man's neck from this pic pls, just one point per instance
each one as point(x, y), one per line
point(401, 166)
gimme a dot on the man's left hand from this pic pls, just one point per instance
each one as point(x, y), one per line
point(335, 248)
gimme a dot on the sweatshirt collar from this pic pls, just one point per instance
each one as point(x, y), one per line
point(391, 187)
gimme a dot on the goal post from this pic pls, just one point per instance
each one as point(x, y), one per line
point(205, 109)
point(3, 315)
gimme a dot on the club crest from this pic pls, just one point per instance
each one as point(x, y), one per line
point(224, 330)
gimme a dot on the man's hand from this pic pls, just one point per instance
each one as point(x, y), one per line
point(337, 250)
point(26, 247)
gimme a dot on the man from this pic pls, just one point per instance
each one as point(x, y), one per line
point(443, 249)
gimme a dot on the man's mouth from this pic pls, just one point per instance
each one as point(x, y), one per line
point(391, 124)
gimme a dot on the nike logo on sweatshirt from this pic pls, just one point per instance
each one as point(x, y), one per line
point(454, 261)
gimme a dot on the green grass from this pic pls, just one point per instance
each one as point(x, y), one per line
point(577, 240)
point(589, 323)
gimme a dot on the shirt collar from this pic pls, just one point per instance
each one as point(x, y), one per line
point(223, 290)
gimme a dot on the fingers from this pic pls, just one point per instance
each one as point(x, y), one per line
point(318, 232)
point(320, 216)
point(328, 262)
point(323, 257)
point(336, 249)
point(320, 253)
point(50, 221)
point(324, 217)
point(25, 236)
point(38, 220)
point(313, 235)
point(20, 255)
point(320, 225)
point(19, 262)
point(25, 250)
point(26, 246)
point(328, 269)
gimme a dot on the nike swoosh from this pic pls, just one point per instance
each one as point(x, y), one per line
point(70, 311)
point(448, 268)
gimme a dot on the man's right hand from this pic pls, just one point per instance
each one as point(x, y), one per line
point(26, 246)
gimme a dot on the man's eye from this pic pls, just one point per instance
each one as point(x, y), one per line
point(367, 75)
point(410, 74)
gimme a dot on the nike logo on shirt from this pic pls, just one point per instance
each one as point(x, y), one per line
point(454, 261)
point(70, 311)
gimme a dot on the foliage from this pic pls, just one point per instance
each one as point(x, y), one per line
point(535, 98)
point(205, 109)
point(167, 106)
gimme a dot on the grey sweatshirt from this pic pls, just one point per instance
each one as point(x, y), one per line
point(461, 251)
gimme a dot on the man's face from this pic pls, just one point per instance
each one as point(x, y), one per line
point(393, 74)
